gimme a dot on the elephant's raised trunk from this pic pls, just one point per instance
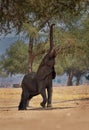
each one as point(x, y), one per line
point(51, 37)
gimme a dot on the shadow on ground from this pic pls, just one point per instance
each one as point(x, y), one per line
point(9, 108)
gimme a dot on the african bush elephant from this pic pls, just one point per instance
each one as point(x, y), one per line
point(37, 83)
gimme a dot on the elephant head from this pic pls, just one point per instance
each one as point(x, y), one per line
point(46, 66)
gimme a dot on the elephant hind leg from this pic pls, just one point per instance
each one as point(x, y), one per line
point(49, 101)
point(24, 99)
point(30, 97)
point(43, 94)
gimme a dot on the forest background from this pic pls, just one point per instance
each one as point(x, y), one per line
point(29, 21)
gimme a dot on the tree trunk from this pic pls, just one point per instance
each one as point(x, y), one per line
point(78, 73)
point(70, 77)
point(78, 80)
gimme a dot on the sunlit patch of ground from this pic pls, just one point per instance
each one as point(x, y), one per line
point(70, 110)
point(10, 97)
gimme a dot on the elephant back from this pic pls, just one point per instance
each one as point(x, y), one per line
point(29, 81)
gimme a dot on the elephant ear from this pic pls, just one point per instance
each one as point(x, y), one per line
point(44, 72)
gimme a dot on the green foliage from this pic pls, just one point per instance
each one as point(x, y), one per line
point(74, 46)
point(74, 52)
point(14, 13)
point(31, 16)
point(15, 59)
point(30, 30)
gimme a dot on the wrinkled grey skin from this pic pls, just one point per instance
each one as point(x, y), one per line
point(37, 83)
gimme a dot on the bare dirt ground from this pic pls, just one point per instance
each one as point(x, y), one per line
point(70, 110)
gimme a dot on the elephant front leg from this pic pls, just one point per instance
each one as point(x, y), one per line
point(23, 102)
point(43, 94)
point(49, 101)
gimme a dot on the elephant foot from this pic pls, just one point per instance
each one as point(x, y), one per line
point(49, 105)
point(22, 109)
point(42, 104)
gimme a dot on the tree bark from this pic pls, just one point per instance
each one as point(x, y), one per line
point(70, 77)
point(78, 80)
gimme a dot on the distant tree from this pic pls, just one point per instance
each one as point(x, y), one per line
point(15, 59)
point(34, 15)
point(73, 57)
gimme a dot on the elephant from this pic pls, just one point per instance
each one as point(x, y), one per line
point(37, 83)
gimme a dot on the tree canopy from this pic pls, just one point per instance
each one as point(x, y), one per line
point(13, 13)
point(30, 16)
point(75, 59)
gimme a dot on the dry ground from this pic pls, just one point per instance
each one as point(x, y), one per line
point(70, 110)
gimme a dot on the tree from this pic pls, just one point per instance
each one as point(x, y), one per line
point(14, 13)
point(31, 32)
point(15, 59)
point(13, 63)
point(75, 59)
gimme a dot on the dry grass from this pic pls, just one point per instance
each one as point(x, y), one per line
point(69, 112)
point(11, 96)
